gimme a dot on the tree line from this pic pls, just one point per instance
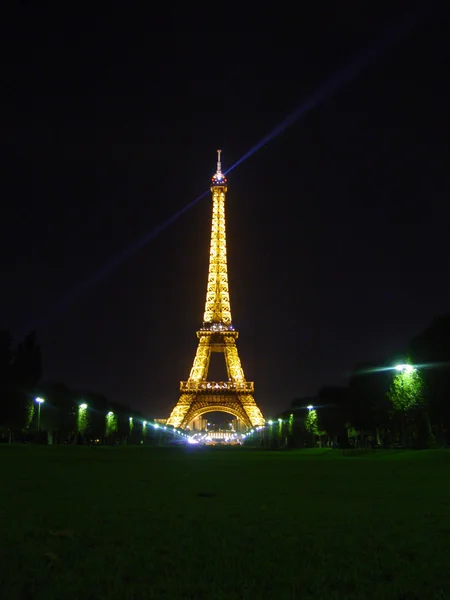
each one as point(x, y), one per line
point(382, 406)
point(65, 415)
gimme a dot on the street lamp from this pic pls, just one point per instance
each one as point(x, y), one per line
point(39, 402)
point(404, 368)
point(310, 407)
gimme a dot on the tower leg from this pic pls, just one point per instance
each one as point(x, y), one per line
point(251, 409)
point(179, 413)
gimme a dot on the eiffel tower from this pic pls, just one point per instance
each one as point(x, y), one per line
point(217, 334)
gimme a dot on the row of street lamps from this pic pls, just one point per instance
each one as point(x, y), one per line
point(83, 406)
point(404, 368)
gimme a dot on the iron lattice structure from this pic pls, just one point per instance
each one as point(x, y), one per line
point(217, 334)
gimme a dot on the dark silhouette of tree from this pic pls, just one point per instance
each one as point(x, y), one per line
point(58, 411)
point(26, 372)
point(98, 407)
point(332, 405)
point(369, 406)
point(299, 436)
point(6, 357)
point(430, 351)
point(19, 382)
point(6, 354)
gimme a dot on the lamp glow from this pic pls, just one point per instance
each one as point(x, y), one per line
point(39, 401)
point(405, 368)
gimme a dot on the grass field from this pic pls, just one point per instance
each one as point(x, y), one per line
point(223, 523)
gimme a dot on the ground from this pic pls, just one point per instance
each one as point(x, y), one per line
point(80, 523)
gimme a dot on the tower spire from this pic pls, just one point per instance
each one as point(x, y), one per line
point(219, 165)
point(219, 178)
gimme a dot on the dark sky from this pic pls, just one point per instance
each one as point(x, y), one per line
point(338, 229)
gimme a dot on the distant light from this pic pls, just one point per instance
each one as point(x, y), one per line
point(310, 407)
point(270, 422)
point(110, 414)
point(144, 423)
point(39, 400)
point(83, 406)
point(130, 419)
point(405, 368)
point(280, 420)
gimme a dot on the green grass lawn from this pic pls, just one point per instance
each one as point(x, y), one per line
point(223, 523)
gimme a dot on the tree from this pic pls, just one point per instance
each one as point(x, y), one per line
point(431, 350)
point(6, 357)
point(313, 425)
point(311, 422)
point(21, 378)
point(406, 390)
point(368, 402)
point(332, 404)
point(58, 413)
point(297, 434)
point(407, 396)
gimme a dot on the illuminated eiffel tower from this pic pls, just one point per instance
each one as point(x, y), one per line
point(217, 334)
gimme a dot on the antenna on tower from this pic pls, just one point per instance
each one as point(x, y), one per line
point(219, 165)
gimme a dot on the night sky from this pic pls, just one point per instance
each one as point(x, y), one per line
point(337, 229)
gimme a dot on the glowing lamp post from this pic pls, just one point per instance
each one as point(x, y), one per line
point(39, 402)
point(405, 368)
point(310, 407)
